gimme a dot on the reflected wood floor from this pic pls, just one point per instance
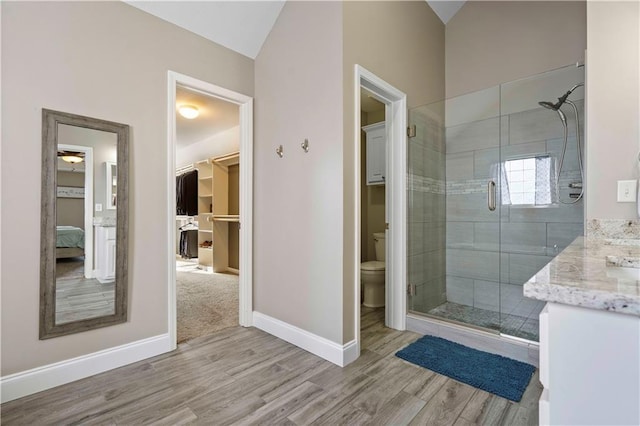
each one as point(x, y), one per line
point(82, 298)
point(245, 376)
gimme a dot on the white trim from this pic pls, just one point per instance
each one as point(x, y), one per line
point(396, 196)
point(88, 205)
point(340, 355)
point(245, 294)
point(246, 193)
point(28, 382)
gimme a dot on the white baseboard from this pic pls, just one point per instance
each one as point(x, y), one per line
point(49, 376)
point(340, 355)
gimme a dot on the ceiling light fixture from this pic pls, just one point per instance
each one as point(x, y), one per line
point(188, 111)
point(73, 159)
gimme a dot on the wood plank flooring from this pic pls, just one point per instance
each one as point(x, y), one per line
point(244, 376)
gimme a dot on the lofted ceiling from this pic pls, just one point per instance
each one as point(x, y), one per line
point(242, 26)
point(445, 9)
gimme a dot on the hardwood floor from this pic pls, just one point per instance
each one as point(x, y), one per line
point(245, 376)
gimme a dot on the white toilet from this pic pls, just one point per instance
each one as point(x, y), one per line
point(372, 275)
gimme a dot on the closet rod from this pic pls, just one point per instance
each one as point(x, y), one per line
point(184, 169)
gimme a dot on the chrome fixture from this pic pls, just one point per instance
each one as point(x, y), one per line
point(280, 151)
point(556, 107)
point(562, 99)
point(491, 195)
point(305, 145)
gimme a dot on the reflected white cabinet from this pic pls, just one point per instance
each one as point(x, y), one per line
point(105, 253)
point(376, 153)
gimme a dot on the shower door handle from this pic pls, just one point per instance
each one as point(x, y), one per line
point(491, 195)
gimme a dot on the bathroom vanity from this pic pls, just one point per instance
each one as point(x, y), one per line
point(590, 333)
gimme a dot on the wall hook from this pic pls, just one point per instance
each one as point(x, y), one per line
point(280, 151)
point(305, 145)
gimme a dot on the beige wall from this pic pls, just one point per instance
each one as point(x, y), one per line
point(492, 42)
point(613, 105)
point(106, 60)
point(402, 43)
point(219, 144)
point(298, 198)
point(70, 211)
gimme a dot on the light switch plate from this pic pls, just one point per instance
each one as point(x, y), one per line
point(627, 191)
point(98, 207)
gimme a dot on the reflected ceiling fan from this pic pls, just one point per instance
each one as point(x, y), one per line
point(72, 157)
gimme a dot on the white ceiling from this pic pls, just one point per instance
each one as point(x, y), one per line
point(445, 9)
point(242, 26)
point(215, 116)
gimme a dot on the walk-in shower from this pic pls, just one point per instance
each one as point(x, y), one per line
point(467, 261)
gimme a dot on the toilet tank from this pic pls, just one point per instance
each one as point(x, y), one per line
point(378, 239)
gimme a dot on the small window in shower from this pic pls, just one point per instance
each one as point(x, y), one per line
point(528, 181)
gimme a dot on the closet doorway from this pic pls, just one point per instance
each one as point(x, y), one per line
point(209, 152)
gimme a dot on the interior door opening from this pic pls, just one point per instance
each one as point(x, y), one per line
point(386, 171)
point(210, 222)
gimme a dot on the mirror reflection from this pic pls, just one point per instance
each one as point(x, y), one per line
point(85, 223)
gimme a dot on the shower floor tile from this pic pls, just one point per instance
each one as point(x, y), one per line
point(514, 325)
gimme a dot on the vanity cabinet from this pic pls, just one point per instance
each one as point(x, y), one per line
point(376, 143)
point(589, 366)
point(105, 253)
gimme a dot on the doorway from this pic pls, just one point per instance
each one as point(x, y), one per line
point(395, 122)
point(215, 220)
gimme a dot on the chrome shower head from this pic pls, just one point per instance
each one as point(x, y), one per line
point(548, 105)
point(555, 107)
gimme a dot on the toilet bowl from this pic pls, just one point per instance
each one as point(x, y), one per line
point(372, 275)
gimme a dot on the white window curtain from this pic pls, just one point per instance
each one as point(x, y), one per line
point(546, 187)
point(499, 176)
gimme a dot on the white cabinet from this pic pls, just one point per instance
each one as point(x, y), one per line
point(376, 153)
point(105, 253)
point(589, 366)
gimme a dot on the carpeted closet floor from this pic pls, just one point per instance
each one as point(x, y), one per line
point(206, 303)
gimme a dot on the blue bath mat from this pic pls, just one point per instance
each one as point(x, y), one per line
point(501, 376)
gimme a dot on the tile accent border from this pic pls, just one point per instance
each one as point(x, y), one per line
point(425, 184)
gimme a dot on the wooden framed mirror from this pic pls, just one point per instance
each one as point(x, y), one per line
point(84, 223)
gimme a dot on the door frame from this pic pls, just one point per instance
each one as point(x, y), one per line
point(88, 205)
point(245, 104)
point(395, 200)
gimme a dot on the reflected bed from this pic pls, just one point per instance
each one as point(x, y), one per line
point(69, 242)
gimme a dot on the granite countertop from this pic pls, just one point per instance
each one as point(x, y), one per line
point(587, 274)
point(104, 221)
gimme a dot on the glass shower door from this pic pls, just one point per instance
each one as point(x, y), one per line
point(488, 204)
point(427, 209)
point(541, 217)
point(454, 210)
